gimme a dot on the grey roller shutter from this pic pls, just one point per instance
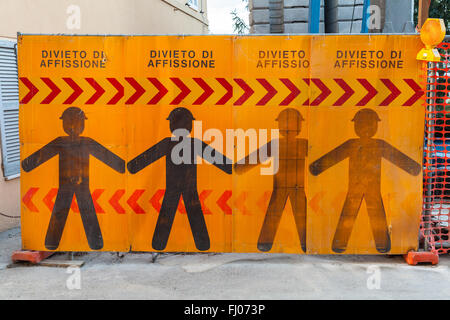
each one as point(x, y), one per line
point(9, 110)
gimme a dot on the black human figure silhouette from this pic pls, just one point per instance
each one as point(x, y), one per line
point(73, 151)
point(288, 182)
point(365, 155)
point(181, 178)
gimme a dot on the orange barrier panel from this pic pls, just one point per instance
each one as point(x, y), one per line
point(297, 144)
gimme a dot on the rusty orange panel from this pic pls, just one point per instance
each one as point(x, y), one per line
point(298, 144)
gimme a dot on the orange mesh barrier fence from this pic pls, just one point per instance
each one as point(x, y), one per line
point(436, 199)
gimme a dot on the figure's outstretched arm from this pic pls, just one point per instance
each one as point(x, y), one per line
point(216, 158)
point(400, 159)
point(261, 155)
point(106, 156)
point(331, 158)
point(149, 156)
point(42, 155)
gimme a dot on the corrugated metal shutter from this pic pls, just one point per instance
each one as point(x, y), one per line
point(9, 110)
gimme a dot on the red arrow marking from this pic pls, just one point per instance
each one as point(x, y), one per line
point(248, 92)
point(139, 91)
point(203, 195)
point(99, 91)
point(294, 92)
point(114, 201)
point(183, 93)
point(27, 199)
point(240, 203)
point(418, 92)
point(120, 90)
point(155, 200)
point(132, 201)
point(77, 91)
point(371, 92)
point(271, 92)
point(95, 195)
point(162, 91)
point(394, 92)
point(48, 199)
point(308, 82)
point(208, 91)
point(222, 202)
point(32, 90)
point(325, 92)
point(348, 92)
point(263, 202)
point(227, 95)
point(55, 91)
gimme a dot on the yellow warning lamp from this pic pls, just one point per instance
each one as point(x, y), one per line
point(432, 33)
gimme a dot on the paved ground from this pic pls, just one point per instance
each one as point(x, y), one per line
point(221, 276)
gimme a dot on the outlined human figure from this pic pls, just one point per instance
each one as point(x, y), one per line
point(73, 151)
point(365, 154)
point(181, 178)
point(288, 182)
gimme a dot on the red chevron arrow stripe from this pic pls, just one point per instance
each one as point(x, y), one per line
point(418, 92)
point(139, 90)
point(27, 199)
point(263, 202)
point(271, 92)
point(95, 195)
point(183, 93)
point(294, 92)
point(52, 95)
point(228, 95)
point(181, 208)
point(222, 202)
point(324, 94)
point(48, 200)
point(202, 196)
point(395, 92)
point(248, 92)
point(348, 92)
point(371, 92)
point(240, 203)
point(114, 201)
point(99, 91)
point(308, 82)
point(77, 91)
point(132, 201)
point(208, 91)
point(155, 201)
point(120, 91)
point(162, 91)
point(32, 90)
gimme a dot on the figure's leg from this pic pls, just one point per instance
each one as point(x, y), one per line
point(58, 218)
point(89, 218)
point(346, 221)
point(377, 216)
point(298, 203)
point(196, 219)
point(165, 219)
point(272, 219)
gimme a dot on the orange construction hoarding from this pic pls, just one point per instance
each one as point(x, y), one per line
point(296, 144)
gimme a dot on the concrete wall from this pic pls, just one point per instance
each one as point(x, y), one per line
point(9, 202)
point(102, 17)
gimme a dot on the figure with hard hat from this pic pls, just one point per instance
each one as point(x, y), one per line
point(74, 152)
point(288, 181)
point(365, 154)
point(181, 152)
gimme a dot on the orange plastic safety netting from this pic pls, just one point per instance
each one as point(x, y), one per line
point(436, 175)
